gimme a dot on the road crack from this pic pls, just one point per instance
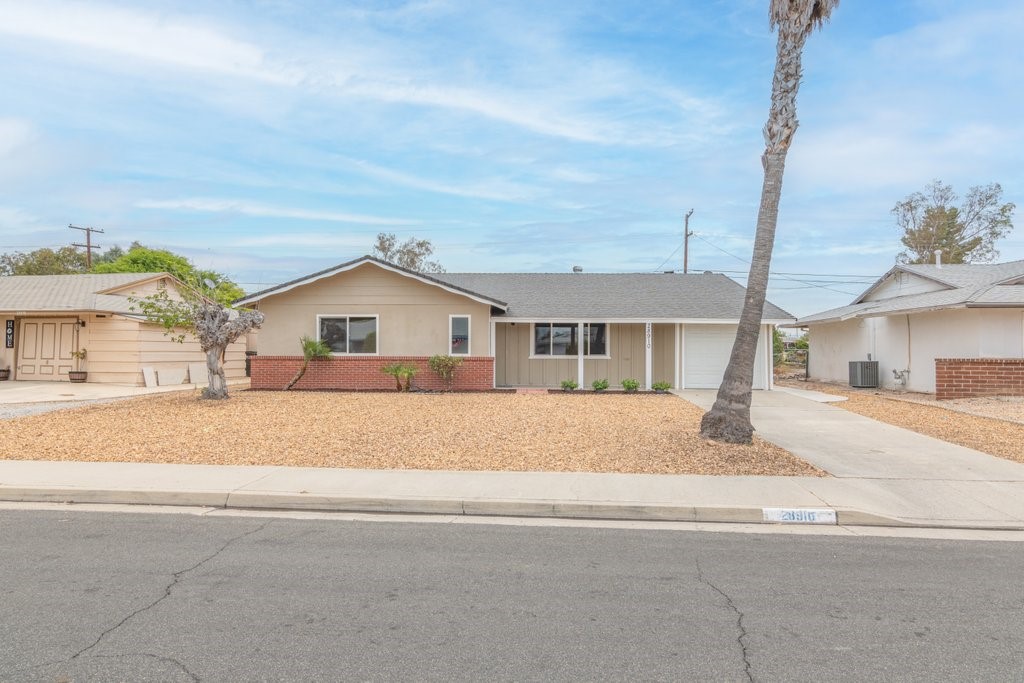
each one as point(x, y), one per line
point(175, 578)
point(741, 639)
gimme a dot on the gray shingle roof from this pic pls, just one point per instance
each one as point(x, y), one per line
point(58, 293)
point(555, 296)
point(568, 296)
point(968, 286)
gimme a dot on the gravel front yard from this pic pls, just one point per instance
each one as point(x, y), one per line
point(512, 432)
point(992, 425)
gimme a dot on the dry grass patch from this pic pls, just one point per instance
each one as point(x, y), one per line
point(536, 432)
point(986, 434)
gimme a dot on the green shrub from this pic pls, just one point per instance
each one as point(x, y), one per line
point(569, 385)
point(661, 386)
point(630, 385)
point(599, 384)
point(444, 366)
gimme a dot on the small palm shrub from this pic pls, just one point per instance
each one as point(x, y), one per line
point(599, 384)
point(630, 385)
point(311, 348)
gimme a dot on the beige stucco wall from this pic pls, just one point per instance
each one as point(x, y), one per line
point(413, 315)
point(959, 333)
point(627, 359)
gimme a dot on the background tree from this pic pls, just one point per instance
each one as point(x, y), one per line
point(931, 220)
point(63, 261)
point(411, 254)
point(729, 418)
point(140, 259)
point(213, 324)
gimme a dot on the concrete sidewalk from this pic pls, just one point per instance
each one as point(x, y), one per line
point(882, 475)
point(25, 391)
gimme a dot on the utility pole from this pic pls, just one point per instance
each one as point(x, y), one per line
point(686, 241)
point(89, 246)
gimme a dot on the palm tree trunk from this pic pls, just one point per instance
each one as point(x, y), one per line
point(729, 418)
point(298, 375)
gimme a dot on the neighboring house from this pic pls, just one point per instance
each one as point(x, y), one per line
point(964, 323)
point(513, 329)
point(47, 317)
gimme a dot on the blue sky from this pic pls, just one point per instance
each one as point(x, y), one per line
point(271, 139)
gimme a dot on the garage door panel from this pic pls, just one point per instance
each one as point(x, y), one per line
point(706, 351)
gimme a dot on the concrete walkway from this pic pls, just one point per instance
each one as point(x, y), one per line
point(882, 476)
point(21, 391)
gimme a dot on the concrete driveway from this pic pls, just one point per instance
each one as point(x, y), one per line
point(18, 391)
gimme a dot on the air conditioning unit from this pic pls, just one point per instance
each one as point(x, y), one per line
point(864, 373)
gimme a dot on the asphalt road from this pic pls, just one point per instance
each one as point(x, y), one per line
point(147, 597)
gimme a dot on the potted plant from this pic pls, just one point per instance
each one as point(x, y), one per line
point(5, 373)
point(661, 387)
point(78, 375)
point(599, 384)
point(570, 385)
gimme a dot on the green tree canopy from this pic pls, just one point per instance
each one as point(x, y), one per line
point(140, 259)
point(63, 261)
point(411, 254)
point(931, 220)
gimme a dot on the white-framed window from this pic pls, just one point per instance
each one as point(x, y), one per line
point(458, 334)
point(551, 340)
point(349, 334)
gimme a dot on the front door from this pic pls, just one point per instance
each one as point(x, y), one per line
point(45, 349)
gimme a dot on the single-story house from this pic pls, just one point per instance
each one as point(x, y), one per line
point(955, 330)
point(48, 318)
point(512, 329)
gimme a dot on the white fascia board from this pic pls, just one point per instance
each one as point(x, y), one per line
point(362, 262)
point(638, 321)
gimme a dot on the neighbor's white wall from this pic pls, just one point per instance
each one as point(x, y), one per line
point(960, 333)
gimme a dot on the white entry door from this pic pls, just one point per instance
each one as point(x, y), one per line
point(706, 355)
point(45, 349)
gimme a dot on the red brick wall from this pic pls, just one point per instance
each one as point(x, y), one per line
point(966, 377)
point(363, 372)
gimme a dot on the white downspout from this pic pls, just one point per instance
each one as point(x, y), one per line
point(579, 353)
point(647, 356)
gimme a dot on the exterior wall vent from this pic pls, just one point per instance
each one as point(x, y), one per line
point(864, 373)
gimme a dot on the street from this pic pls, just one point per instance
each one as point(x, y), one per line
point(98, 596)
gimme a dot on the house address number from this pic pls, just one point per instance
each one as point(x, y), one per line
point(799, 515)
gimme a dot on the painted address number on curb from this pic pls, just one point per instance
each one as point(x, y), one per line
point(799, 515)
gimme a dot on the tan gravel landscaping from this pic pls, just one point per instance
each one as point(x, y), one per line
point(524, 432)
point(988, 425)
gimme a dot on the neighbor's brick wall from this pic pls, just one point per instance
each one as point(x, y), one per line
point(966, 377)
point(363, 372)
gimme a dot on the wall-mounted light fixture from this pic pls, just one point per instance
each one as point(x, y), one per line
point(81, 323)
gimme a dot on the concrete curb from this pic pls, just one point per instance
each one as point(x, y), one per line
point(241, 500)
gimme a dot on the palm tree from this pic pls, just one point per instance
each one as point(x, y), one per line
point(729, 418)
point(311, 348)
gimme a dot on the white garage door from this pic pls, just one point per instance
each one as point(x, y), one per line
point(706, 350)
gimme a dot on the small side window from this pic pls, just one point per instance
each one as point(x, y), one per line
point(458, 343)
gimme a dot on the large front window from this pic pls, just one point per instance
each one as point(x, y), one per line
point(562, 339)
point(349, 333)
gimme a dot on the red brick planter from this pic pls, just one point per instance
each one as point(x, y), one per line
point(363, 372)
point(967, 377)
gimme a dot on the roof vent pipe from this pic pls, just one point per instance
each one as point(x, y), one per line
point(577, 269)
point(938, 258)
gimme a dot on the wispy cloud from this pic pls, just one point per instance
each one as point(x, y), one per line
point(250, 208)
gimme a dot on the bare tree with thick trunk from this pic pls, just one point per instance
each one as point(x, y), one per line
point(729, 418)
point(213, 324)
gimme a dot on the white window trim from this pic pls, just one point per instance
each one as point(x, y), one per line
point(375, 316)
point(607, 342)
point(469, 334)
